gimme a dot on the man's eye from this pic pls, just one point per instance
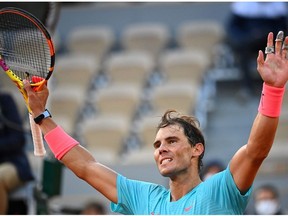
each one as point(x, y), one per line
point(156, 145)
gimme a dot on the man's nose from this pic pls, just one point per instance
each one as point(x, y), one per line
point(162, 148)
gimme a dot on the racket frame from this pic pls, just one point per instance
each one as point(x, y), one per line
point(39, 149)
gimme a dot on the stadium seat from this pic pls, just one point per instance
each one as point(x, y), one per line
point(147, 129)
point(181, 96)
point(66, 105)
point(91, 39)
point(201, 34)
point(104, 136)
point(149, 37)
point(128, 67)
point(117, 99)
point(75, 70)
point(183, 64)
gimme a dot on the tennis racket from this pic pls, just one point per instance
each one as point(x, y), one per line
point(26, 52)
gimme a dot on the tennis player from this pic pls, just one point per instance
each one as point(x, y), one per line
point(179, 148)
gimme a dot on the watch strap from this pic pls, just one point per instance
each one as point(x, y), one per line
point(42, 116)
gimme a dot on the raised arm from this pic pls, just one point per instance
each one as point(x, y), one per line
point(68, 150)
point(274, 72)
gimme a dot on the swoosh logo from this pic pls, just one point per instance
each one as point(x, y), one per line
point(188, 208)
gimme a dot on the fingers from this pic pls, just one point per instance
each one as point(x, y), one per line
point(260, 59)
point(270, 40)
point(27, 86)
point(280, 46)
point(285, 48)
point(270, 44)
point(278, 42)
point(37, 100)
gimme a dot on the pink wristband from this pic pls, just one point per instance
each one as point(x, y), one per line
point(271, 101)
point(59, 142)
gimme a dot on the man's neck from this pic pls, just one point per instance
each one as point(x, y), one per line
point(179, 187)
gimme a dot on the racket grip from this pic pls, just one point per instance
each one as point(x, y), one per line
point(39, 149)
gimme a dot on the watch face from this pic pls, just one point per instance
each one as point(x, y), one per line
point(46, 114)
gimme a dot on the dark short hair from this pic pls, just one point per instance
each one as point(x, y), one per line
point(267, 187)
point(212, 163)
point(190, 125)
point(96, 207)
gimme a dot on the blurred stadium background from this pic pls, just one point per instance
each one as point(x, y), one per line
point(118, 66)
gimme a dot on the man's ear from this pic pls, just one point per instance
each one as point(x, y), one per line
point(198, 149)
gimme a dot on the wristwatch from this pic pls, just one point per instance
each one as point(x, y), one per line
point(42, 116)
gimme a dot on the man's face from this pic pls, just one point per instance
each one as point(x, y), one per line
point(266, 203)
point(172, 152)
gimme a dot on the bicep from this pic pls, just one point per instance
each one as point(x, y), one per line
point(100, 177)
point(244, 169)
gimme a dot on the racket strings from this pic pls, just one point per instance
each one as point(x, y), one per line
point(24, 47)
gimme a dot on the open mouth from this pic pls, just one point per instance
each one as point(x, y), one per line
point(165, 161)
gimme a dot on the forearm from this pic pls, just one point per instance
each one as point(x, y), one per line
point(262, 136)
point(265, 124)
point(47, 125)
point(78, 159)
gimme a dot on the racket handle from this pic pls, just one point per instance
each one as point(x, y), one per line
point(39, 149)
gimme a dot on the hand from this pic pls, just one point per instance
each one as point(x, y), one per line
point(36, 100)
point(274, 69)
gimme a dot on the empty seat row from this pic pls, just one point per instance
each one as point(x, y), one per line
point(134, 67)
point(150, 37)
